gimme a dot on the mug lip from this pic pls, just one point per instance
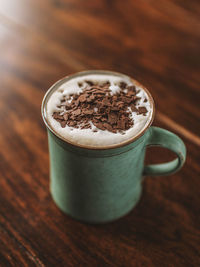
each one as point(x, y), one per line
point(55, 86)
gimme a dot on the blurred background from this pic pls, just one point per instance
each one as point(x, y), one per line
point(157, 43)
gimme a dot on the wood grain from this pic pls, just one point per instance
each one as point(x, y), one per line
point(157, 43)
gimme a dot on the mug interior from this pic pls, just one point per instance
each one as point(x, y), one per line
point(56, 85)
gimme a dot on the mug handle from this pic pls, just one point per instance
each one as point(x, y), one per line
point(164, 138)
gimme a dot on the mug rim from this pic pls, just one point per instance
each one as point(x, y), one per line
point(55, 86)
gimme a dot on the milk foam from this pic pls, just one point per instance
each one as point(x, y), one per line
point(88, 136)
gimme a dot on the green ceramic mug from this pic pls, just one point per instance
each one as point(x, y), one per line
point(99, 185)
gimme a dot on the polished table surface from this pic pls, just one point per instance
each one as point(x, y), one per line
point(157, 43)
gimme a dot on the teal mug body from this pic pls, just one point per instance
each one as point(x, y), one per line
point(102, 185)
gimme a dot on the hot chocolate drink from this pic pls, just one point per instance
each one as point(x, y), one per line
point(98, 109)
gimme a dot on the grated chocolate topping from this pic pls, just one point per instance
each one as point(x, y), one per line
point(97, 105)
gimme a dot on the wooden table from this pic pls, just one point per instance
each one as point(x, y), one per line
point(157, 42)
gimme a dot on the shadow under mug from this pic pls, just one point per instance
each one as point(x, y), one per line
point(99, 185)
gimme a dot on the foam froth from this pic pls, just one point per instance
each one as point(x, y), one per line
point(94, 136)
